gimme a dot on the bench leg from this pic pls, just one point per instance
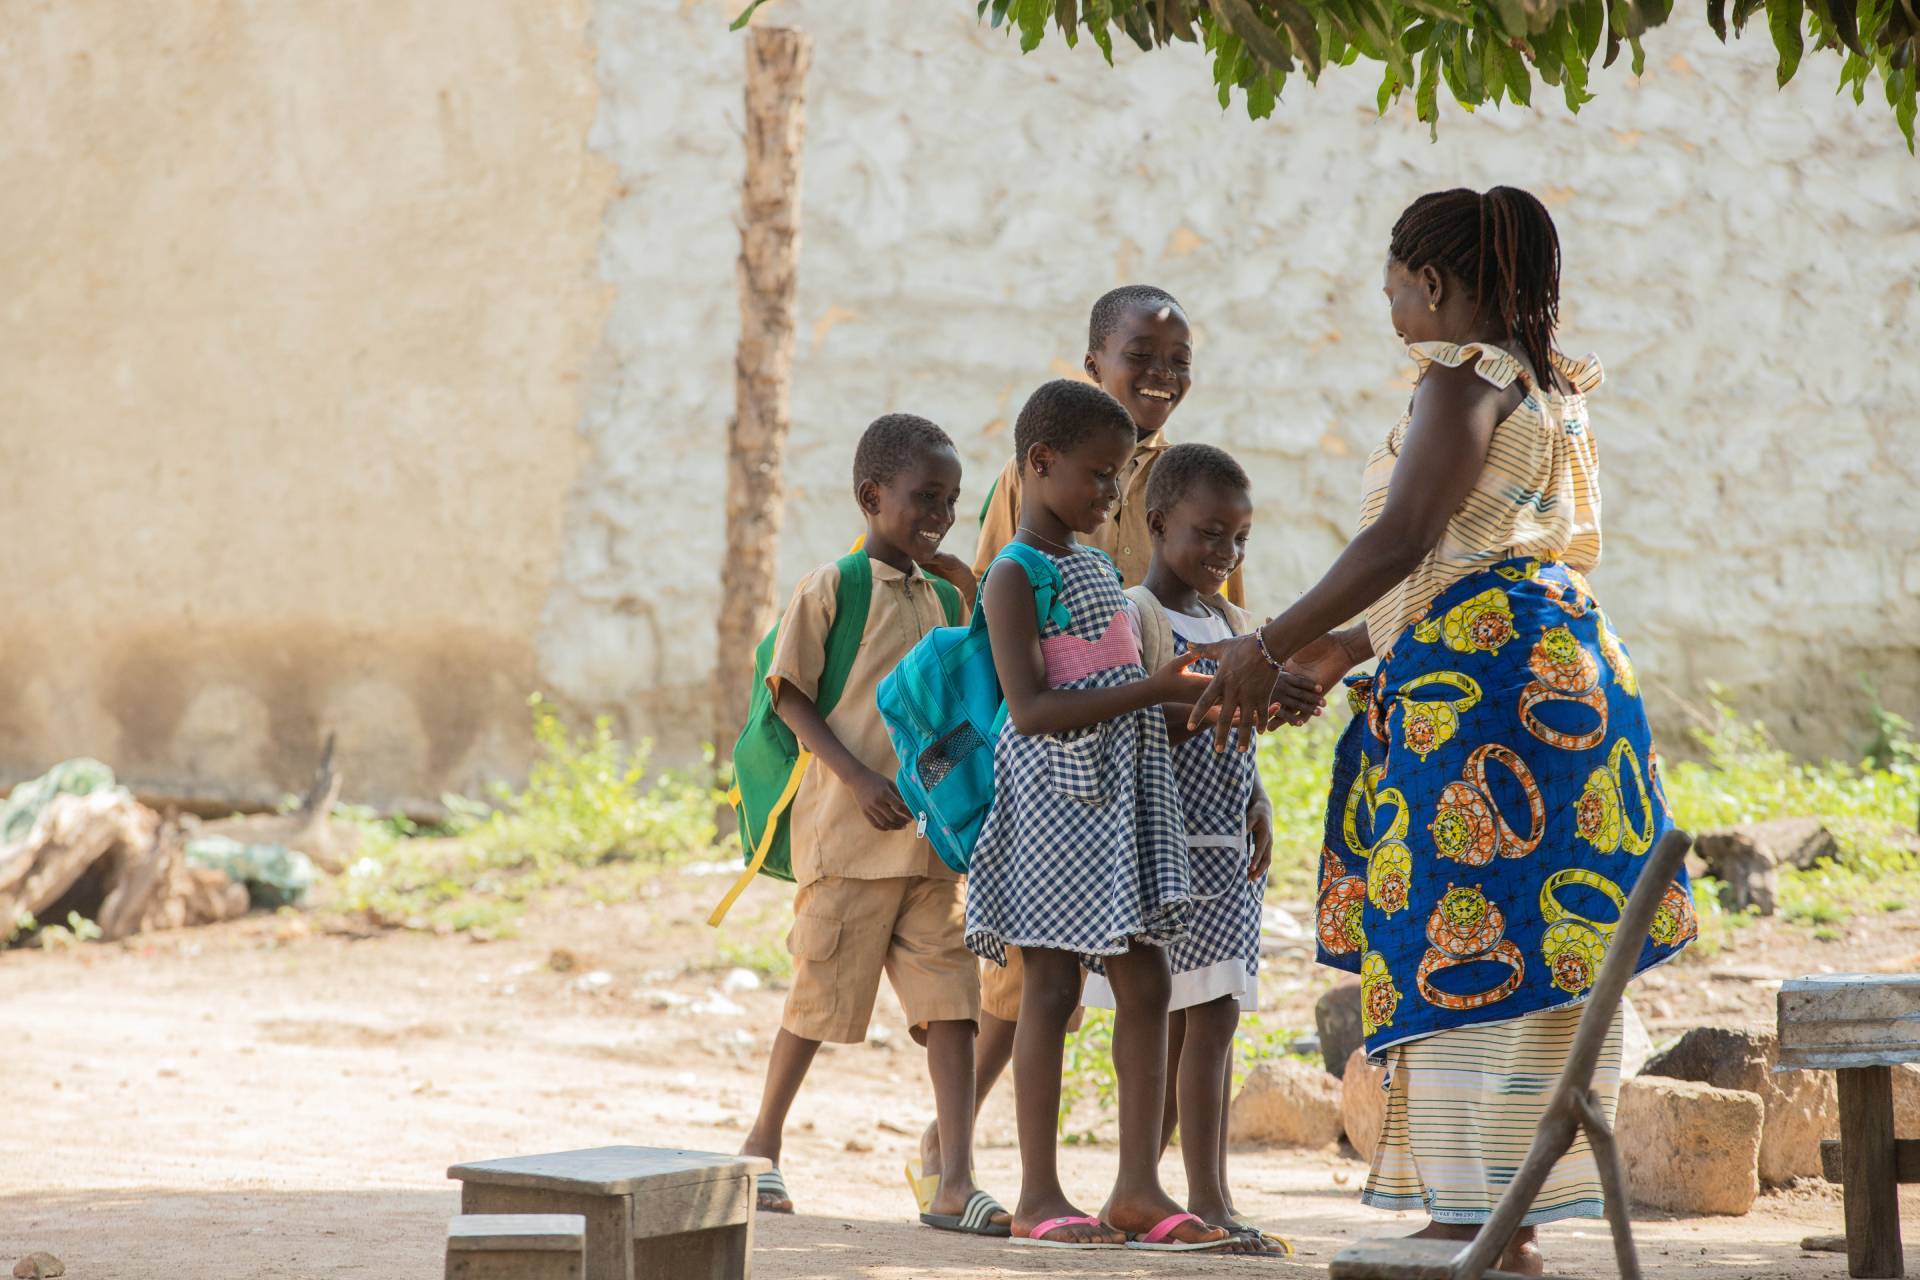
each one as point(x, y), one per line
point(1869, 1177)
point(609, 1221)
point(718, 1253)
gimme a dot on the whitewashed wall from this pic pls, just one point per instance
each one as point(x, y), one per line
point(1744, 260)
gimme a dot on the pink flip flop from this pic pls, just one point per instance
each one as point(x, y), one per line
point(1036, 1239)
point(1158, 1240)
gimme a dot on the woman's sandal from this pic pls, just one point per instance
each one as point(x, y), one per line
point(1037, 1238)
point(770, 1186)
point(925, 1186)
point(1160, 1238)
point(974, 1220)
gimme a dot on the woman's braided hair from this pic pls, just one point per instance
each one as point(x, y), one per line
point(1501, 245)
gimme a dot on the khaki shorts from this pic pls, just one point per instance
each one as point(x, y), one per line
point(1000, 989)
point(845, 932)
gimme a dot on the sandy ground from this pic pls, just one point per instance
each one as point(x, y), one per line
point(263, 1099)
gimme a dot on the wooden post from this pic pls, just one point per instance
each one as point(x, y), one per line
point(777, 62)
point(1871, 1188)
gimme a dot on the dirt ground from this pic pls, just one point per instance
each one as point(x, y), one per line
point(269, 1098)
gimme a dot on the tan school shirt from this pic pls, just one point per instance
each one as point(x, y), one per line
point(830, 833)
point(1125, 538)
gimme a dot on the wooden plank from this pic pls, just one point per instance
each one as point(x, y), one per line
point(481, 1232)
point(1870, 1188)
point(609, 1252)
point(1405, 1258)
point(1849, 1020)
point(1906, 1160)
point(720, 1254)
point(518, 1265)
point(610, 1170)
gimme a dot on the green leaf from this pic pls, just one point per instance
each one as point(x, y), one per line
point(1066, 16)
point(1389, 90)
point(1426, 97)
point(1902, 97)
point(1519, 79)
point(1639, 56)
point(746, 16)
point(1261, 40)
point(1783, 19)
point(1306, 36)
point(1513, 18)
point(1437, 9)
point(1717, 18)
point(1492, 71)
point(1589, 16)
point(1261, 97)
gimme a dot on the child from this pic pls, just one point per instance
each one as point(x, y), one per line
point(1199, 514)
point(872, 895)
point(1140, 352)
point(1082, 853)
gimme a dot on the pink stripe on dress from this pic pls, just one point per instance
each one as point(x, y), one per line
point(1069, 658)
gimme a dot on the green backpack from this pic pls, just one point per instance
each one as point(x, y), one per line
point(768, 761)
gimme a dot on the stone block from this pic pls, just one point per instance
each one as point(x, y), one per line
point(1690, 1147)
point(1286, 1102)
point(1336, 1017)
point(1363, 1103)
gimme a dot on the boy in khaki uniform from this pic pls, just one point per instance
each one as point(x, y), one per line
point(1140, 352)
point(872, 895)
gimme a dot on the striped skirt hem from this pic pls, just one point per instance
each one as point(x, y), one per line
point(1462, 1110)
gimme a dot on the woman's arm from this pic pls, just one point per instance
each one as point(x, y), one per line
point(1455, 412)
point(1014, 631)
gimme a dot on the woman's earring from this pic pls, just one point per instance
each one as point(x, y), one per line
point(1432, 306)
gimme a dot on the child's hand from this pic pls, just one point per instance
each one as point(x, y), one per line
point(955, 570)
point(880, 802)
point(1260, 827)
point(1297, 698)
point(1174, 683)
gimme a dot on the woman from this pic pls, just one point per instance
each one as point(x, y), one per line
point(1496, 792)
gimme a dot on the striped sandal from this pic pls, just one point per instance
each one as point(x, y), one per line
point(974, 1220)
point(770, 1190)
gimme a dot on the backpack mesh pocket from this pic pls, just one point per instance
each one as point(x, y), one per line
point(940, 759)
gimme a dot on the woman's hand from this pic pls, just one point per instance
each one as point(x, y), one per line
point(1324, 661)
point(1242, 691)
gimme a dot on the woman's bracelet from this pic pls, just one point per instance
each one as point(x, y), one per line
point(1260, 638)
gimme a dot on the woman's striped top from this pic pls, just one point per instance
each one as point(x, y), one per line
point(1539, 494)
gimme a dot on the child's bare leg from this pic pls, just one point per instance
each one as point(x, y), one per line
point(1521, 1256)
point(786, 1068)
point(1140, 986)
point(1226, 1115)
point(950, 1064)
point(1048, 995)
point(992, 1050)
point(1209, 1042)
point(1170, 1115)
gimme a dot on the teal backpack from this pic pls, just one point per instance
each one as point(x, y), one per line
point(768, 761)
point(944, 710)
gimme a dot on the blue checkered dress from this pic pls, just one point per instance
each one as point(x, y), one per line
point(1083, 850)
point(1215, 789)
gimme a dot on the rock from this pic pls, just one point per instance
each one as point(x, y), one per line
point(1746, 858)
point(39, 1266)
point(1336, 1017)
point(1802, 1107)
point(859, 1145)
point(561, 960)
point(1363, 1103)
point(1287, 1102)
point(1719, 1056)
point(1690, 1147)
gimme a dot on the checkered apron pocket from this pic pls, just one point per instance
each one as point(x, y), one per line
point(1076, 765)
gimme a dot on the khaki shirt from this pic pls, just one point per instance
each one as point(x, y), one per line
point(1124, 538)
point(830, 834)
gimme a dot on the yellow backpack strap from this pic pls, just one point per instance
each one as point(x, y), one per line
point(765, 842)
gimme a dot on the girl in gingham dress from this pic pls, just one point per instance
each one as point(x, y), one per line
point(1083, 854)
point(1200, 514)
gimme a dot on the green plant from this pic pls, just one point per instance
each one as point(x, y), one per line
point(1086, 1074)
point(1482, 51)
point(1296, 769)
point(590, 801)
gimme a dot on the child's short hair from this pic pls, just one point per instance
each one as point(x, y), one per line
point(889, 443)
point(1180, 468)
point(1062, 413)
point(1114, 305)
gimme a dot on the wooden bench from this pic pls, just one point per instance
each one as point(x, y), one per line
point(1860, 1026)
point(516, 1246)
point(651, 1213)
